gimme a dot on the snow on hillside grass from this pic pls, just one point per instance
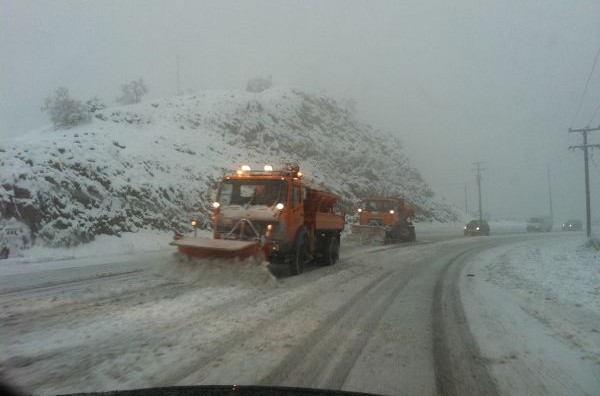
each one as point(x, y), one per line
point(151, 165)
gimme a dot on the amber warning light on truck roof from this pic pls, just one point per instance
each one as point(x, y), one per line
point(246, 170)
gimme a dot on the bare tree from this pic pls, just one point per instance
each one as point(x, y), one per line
point(132, 92)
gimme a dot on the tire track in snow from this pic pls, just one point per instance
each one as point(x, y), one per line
point(327, 355)
point(105, 349)
point(51, 287)
point(223, 345)
point(459, 366)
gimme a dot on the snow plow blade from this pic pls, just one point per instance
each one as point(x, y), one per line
point(216, 248)
point(369, 233)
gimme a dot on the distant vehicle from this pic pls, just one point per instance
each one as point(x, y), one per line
point(477, 227)
point(539, 224)
point(388, 219)
point(13, 238)
point(572, 225)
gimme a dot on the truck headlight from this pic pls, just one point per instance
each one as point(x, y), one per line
point(279, 206)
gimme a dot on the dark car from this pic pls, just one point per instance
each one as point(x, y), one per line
point(477, 227)
point(572, 225)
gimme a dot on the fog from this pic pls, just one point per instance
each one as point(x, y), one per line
point(458, 82)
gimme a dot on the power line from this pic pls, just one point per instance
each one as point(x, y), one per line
point(594, 116)
point(587, 83)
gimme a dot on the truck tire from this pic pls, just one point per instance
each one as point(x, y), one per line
point(412, 235)
point(4, 253)
point(331, 253)
point(300, 254)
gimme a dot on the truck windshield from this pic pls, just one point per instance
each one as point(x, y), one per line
point(253, 192)
point(378, 206)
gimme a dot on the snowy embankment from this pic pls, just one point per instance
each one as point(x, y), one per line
point(535, 309)
point(153, 165)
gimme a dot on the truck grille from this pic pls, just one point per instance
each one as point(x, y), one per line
point(261, 226)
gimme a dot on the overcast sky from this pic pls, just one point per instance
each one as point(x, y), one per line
point(457, 81)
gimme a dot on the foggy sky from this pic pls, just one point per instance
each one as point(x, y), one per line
point(458, 82)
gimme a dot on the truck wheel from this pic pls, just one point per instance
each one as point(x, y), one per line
point(299, 256)
point(4, 253)
point(412, 235)
point(332, 251)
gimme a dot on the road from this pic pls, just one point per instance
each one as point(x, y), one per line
point(386, 320)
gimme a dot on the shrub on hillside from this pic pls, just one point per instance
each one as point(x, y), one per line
point(257, 85)
point(64, 111)
point(94, 104)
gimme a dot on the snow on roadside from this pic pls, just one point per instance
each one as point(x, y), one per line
point(533, 308)
point(127, 247)
point(562, 269)
point(102, 246)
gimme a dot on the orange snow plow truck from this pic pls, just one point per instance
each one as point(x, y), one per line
point(385, 219)
point(272, 214)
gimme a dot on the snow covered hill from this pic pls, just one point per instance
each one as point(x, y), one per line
point(153, 164)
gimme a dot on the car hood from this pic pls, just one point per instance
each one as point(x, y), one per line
point(225, 390)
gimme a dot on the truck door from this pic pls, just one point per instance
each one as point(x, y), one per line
point(297, 206)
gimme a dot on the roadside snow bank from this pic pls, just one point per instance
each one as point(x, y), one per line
point(534, 310)
point(562, 269)
point(102, 246)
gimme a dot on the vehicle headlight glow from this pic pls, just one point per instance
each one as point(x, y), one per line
point(392, 211)
point(477, 228)
point(268, 168)
point(279, 206)
point(359, 210)
point(216, 205)
point(246, 168)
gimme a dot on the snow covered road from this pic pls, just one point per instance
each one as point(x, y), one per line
point(406, 319)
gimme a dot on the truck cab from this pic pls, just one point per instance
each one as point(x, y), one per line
point(389, 218)
point(292, 221)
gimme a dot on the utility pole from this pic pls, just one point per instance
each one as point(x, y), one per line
point(466, 202)
point(178, 80)
point(585, 146)
point(478, 178)
point(550, 193)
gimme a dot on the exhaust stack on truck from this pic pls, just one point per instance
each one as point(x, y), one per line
point(271, 214)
